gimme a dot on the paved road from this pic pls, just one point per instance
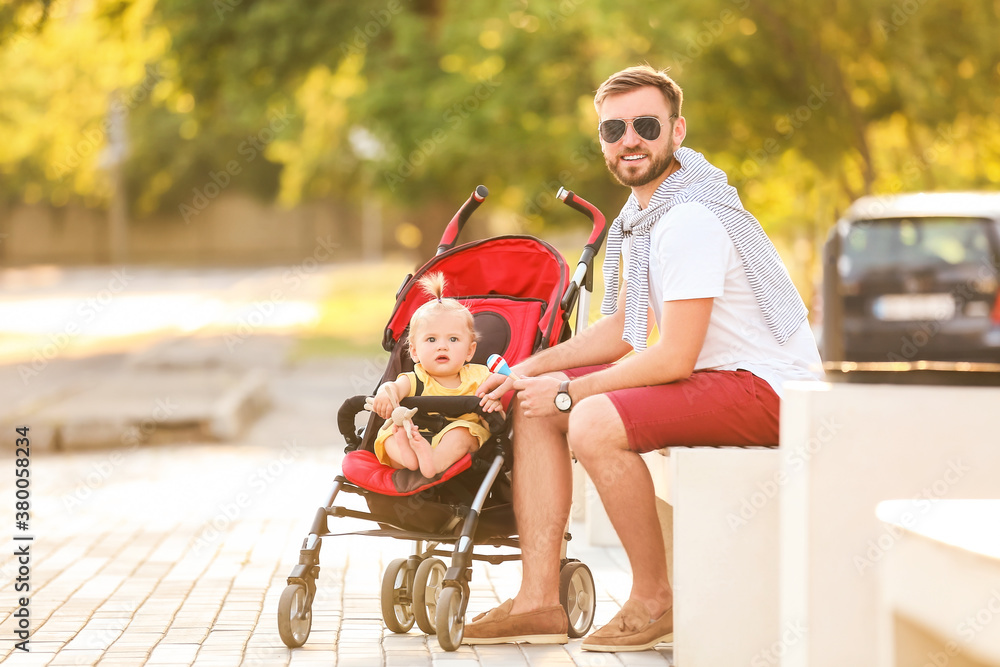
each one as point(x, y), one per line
point(51, 312)
point(176, 554)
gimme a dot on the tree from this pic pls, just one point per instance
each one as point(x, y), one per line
point(20, 19)
point(806, 105)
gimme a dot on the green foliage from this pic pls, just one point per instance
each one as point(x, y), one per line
point(21, 19)
point(805, 104)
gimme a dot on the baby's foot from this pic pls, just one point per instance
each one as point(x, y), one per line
point(425, 455)
point(404, 453)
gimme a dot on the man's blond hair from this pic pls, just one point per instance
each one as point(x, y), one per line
point(639, 76)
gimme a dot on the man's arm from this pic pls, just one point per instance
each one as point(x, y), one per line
point(600, 343)
point(672, 358)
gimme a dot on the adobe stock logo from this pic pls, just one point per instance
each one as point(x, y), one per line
point(921, 505)
point(363, 35)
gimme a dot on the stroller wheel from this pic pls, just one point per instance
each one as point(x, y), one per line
point(450, 620)
point(577, 596)
point(397, 583)
point(426, 590)
point(294, 616)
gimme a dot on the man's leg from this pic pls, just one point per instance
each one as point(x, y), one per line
point(709, 408)
point(597, 437)
point(543, 491)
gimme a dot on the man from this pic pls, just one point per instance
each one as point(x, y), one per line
point(732, 330)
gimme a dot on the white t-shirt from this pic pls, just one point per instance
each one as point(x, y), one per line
point(692, 257)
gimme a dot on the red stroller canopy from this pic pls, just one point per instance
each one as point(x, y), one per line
point(520, 267)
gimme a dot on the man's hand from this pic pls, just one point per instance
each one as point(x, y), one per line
point(538, 396)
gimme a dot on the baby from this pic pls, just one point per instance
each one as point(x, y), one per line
point(442, 342)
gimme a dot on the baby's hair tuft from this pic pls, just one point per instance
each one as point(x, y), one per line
point(434, 284)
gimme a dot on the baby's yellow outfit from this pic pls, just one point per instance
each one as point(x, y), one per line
point(471, 376)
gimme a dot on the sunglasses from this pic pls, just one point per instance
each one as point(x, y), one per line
point(647, 127)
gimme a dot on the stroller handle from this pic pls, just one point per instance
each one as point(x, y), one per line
point(453, 406)
point(454, 227)
point(584, 275)
point(580, 204)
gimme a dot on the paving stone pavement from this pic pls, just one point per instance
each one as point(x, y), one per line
point(177, 554)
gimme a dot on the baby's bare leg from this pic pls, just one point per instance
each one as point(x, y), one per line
point(453, 445)
point(398, 448)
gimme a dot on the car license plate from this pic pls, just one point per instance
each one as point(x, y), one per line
point(904, 307)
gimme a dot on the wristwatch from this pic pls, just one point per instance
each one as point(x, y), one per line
point(564, 402)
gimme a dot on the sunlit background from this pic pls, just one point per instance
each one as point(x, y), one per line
point(258, 132)
point(411, 104)
point(207, 206)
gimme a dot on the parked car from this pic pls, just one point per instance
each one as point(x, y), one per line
point(914, 277)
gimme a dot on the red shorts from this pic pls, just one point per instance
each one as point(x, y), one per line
point(708, 409)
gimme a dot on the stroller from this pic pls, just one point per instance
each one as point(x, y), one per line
point(521, 296)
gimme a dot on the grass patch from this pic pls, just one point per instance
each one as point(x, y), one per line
point(354, 313)
point(332, 346)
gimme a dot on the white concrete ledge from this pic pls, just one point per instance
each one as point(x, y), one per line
point(725, 524)
point(845, 448)
point(940, 585)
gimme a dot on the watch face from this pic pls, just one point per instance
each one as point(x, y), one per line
point(563, 402)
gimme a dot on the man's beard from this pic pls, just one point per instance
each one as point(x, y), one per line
point(654, 169)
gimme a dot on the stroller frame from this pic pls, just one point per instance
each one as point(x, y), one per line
point(420, 588)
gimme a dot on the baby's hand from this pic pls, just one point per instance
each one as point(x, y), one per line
point(492, 390)
point(491, 404)
point(385, 401)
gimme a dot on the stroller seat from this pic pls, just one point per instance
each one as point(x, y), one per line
point(362, 468)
